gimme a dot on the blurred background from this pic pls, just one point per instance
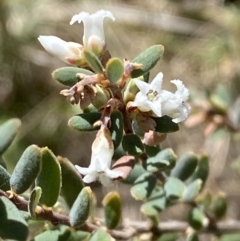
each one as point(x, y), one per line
point(202, 48)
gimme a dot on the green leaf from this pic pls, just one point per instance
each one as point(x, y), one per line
point(112, 209)
point(164, 160)
point(2, 162)
point(137, 171)
point(79, 236)
point(219, 206)
point(148, 59)
point(85, 121)
point(169, 237)
point(114, 69)
point(197, 219)
point(72, 183)
point(49, 179)
point(116, 128)
point(174, 188)
point(100, 235)
point(192, 237)
point(34, 200)
point(26, 170)
point(192, 190)
point(155, 203)
point(93, 62)
point(202, 170)
point(230, 237)
point(8, 131)
point(12, 224)
point(165, 125)
point(152, 150)
point(143, 186)
point(81, 208)
point(132, 144)
point(185, 166)
point(68, 75)
point(60, 233)
point(4, 179)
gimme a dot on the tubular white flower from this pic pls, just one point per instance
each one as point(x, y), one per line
point(151, 97)
point(102, 152)
point(69, 52)
point(93, 38)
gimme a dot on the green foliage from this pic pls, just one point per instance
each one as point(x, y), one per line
point(84, 122)
point(132, 144)
point(112, 209)
point(61, 233)
point(156, 203)
point(174, 188)
point(4, 179)
point(26, 170)
point(185, 166)
point(12, 224)
point(137, 171)
point(68, 75)
point(165, 125)
point(100, 235)
point(49, 178)
point(197, 219)
point(143, 186)
point(8, 131)
point(116, 128)
point(34, 200)
point(81, 208)
point(148, 59)
point(164, 160)
point(114, 70)
point(202, 170)
point(192, 190)
point(93, 62)
point(72, 183)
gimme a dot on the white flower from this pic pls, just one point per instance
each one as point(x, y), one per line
point(102, 152)
point(151, 97)
point(68, 52)
point(93, 39)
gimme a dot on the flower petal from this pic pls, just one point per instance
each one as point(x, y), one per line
point(142, 86)
point(182, 91)
point(156, 83)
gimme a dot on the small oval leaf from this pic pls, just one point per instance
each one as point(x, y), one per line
point(164, 160)
point(148, 59)
point(164, 124)
point(68, 75)
point(4, 179)
point(93, 62)
point(12, 224)
point(155, 203)
point(114, 69)
point(132, 144)
point(174, 188)
point(85, 121)
point(49, 179)
point(192, 190)
point(34, 200)
point(185, 166)
point(8, 131)
point(116, 128)
point(112, 209)
point(197, 219)
point(72, 183)
point(143, 186)
point(202, 170)
point(81, 208)
point(100, 235)
point(26, 170)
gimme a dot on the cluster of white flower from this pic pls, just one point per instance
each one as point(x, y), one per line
point(150, 98)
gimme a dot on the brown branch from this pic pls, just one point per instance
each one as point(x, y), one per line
point(129, 228)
